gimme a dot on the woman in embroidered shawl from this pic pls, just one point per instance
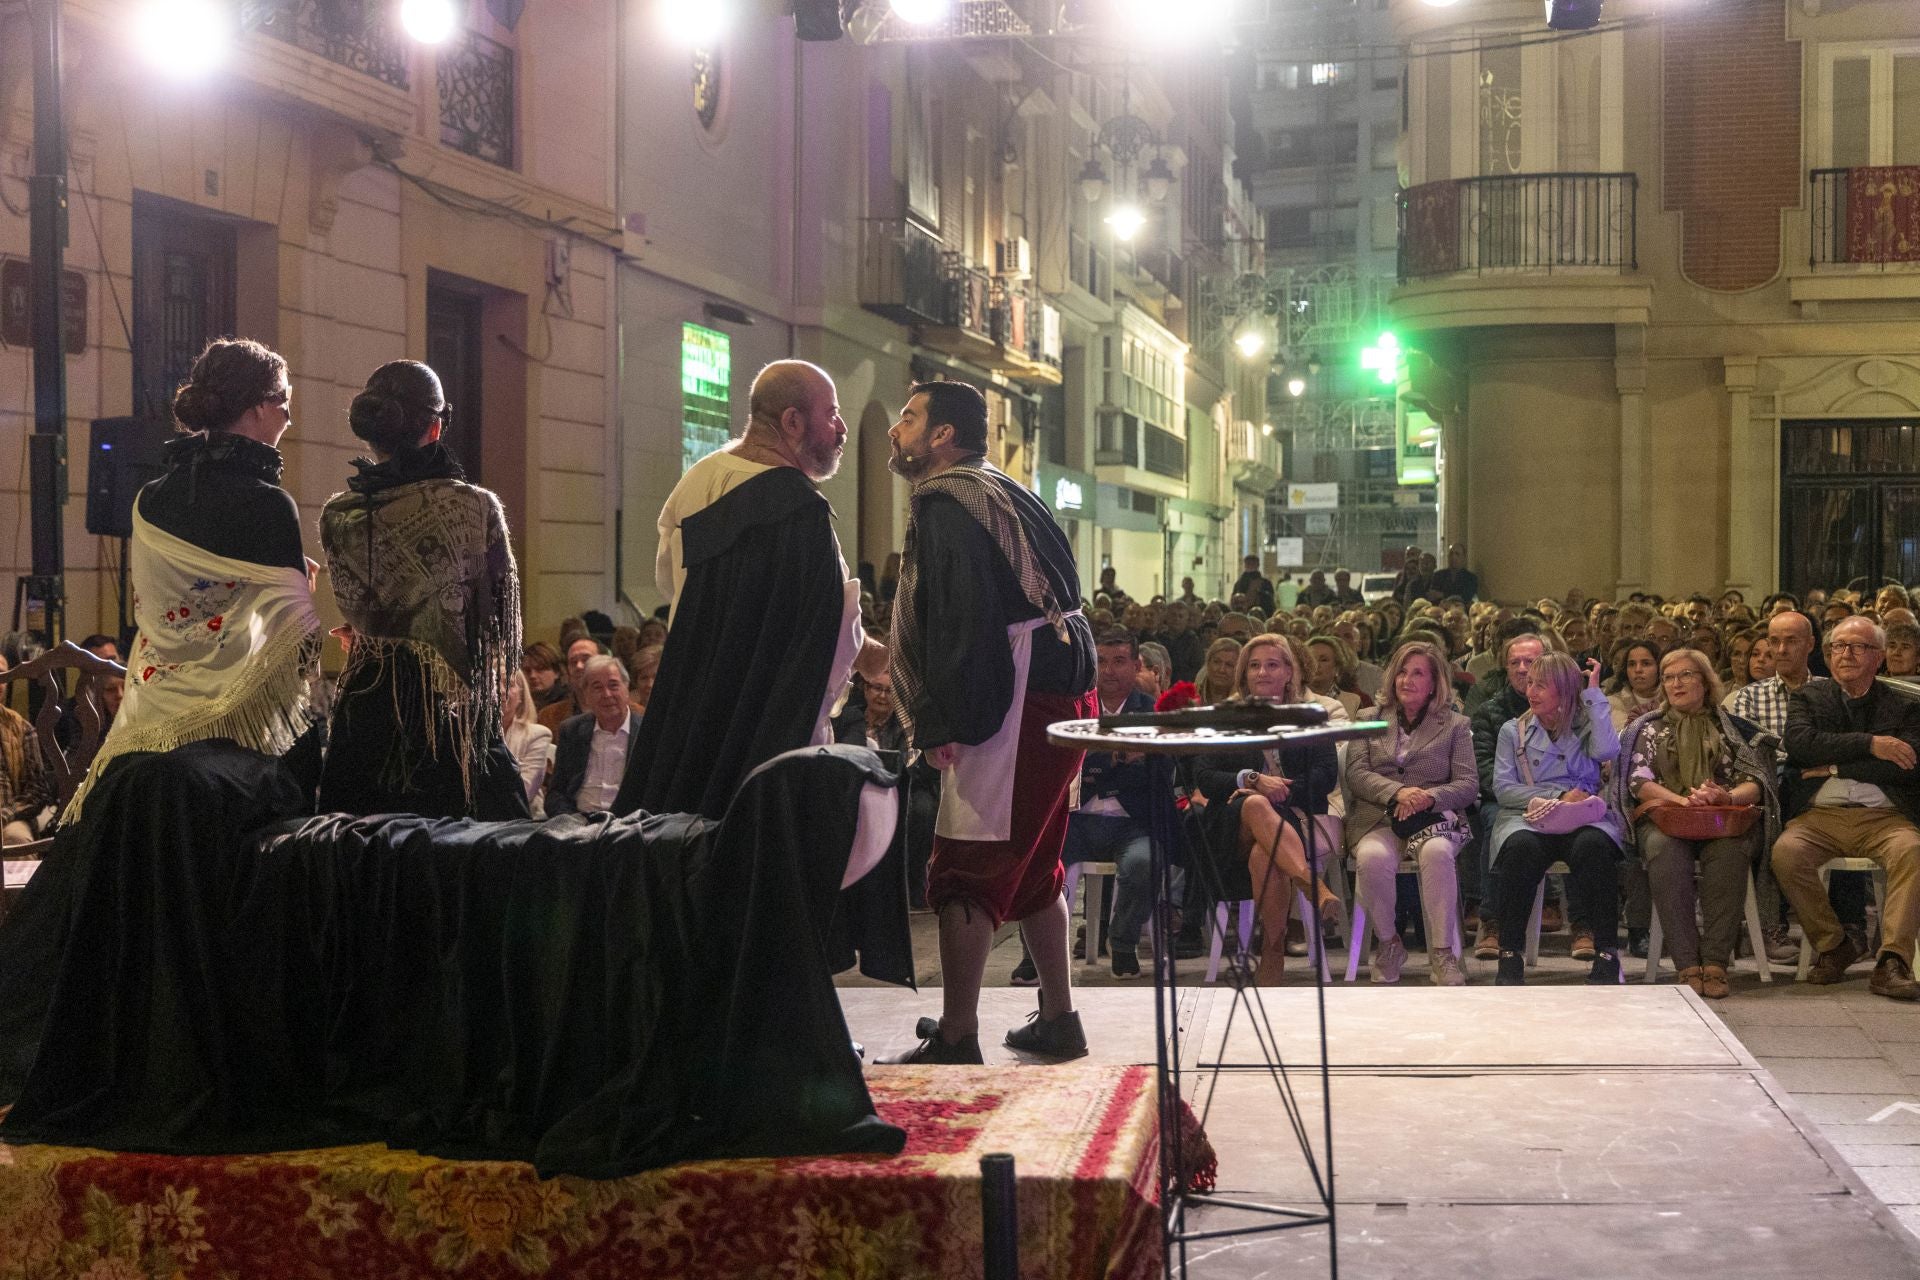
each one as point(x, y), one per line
point(425, 578)
point(1690, 751)
point(222, 591)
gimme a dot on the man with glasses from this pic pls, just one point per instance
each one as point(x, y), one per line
point(1854, 791)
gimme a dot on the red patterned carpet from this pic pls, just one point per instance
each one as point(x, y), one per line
point(1083, 1139)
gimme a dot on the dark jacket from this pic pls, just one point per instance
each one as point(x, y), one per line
point(1825, 726)
point(1505, 704)
point(1131, 783)
point(573, 744)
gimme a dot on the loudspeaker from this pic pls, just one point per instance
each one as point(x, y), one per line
point(122, 455)
point(1573, 15)
point(818, 19)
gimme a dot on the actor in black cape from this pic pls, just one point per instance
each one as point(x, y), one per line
point(766, 620)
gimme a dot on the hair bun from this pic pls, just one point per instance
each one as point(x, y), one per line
point(198, 407)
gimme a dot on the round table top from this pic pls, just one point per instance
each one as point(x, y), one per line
point(1086, 735)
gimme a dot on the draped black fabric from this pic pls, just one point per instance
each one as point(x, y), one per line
point(597, 996)
point(747, 661)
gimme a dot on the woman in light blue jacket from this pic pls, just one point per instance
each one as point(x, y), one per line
point(1553, 752)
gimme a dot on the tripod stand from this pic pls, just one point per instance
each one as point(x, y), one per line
point(1187, 733)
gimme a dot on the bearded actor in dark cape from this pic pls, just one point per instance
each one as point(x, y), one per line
point(766, 618)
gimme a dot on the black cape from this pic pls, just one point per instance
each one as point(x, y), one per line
point(596, 996)
point(751, 647)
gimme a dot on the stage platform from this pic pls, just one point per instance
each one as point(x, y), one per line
point(1497, 1133)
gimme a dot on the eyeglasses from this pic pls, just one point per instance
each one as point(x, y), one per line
point(1851, 646)
point(1679, 677)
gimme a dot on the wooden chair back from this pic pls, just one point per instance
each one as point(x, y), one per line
point(68, 764)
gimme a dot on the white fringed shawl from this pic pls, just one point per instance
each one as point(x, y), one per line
point(225, 651)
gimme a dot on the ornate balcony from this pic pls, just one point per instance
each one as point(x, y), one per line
point(900, 272)
point(1529, 222)
point(1864, 216)
point(953, 306)
point(477, 105)
point(352, 33)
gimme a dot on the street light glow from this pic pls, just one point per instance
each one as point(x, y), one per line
point(1126, 221)
point(184, 39)
point(1175, 23)
point(1250, 342)
point(428, 21)
point(920, 13)
point(1296, 386)
point(696, 24)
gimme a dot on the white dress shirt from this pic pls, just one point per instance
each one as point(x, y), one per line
point(606, 766)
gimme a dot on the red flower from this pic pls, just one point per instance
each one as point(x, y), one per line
point(229, 586)
point(1183, 694)
point(146, 673)
point(213, 623)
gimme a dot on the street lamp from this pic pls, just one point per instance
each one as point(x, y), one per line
point(920, 13)
point(695, 24)
point(1126, 221)
point(428, 21)
point(1250, 342)
point(184, 39)
point(1296, 386)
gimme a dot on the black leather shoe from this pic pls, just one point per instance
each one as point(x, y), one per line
point(1060, 1037)
point(1512, 971)
point(1126, 964)
point(1893, 978)
point(1637, 941)
point(1605, 971)
point(964, 1052)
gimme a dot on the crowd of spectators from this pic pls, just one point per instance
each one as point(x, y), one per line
point(1528, 742)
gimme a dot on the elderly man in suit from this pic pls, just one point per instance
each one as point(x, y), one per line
point(591, 757)
point(1409, 791)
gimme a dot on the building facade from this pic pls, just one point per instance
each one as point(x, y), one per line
point(348, 198)
point(1658, 291)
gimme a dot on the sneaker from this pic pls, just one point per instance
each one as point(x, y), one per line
point(1781, 948)
point(1512, 971)
point(1605, 971)
point(1446, 969)
point(1830, 967)
point(1638, 943)
point(933, 1049)
point(1583, 948)
point(1487, 947)
point(1893, 978)
point(1126, 963)
point(1389, 958)
point(1024, 974)
point(1060, 1037)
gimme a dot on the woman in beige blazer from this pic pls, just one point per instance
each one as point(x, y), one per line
point(1420, 771)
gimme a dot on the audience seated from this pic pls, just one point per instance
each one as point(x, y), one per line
point(530, 742)
point(579, 649)
point(591, 751)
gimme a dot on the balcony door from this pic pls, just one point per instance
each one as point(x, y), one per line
point(1849, 504)
point(183, 297)
point(455, 349)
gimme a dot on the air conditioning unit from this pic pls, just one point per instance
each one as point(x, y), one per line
point(1013, 258)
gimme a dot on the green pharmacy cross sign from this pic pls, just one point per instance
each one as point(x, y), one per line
point(1383, 358)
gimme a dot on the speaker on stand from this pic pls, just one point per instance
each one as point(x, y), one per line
point(122, 455)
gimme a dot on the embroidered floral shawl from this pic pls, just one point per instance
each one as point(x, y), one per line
point(225, 650)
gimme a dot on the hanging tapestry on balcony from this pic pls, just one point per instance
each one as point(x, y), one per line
point(1883, 214)
point(1430, 240)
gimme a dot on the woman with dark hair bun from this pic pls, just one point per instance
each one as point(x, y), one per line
point(425, 578)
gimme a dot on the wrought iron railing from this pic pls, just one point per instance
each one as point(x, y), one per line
point(969, 294)
point(1864, 216)
point(1520, 222)
point(353, 33)
point(900, 271)
point(1013, 313)
point(477, 98)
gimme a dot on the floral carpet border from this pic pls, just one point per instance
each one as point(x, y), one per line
point(1083, 1139)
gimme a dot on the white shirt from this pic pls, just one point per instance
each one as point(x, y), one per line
point(606, 766)
point(1849, 791)
point(704, 484)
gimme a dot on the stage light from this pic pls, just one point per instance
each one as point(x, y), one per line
point(184, 39)
point(695, 24)
point(920, 13)
point(1250, 342)
point(428, 21)
point(1296, 386)
point(818, 20)
point(1126, 221)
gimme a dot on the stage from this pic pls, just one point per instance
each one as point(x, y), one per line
point(1498, 1133)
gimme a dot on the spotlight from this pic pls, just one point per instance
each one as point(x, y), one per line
point(428, 21)
point(920, 13)
point(1126, 221)
point(1250, 342)
point(695, 24)
point(184, 39)
point(1296, 386)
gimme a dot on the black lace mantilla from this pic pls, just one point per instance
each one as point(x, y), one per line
point(410, 466)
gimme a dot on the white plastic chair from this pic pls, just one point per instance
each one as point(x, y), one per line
point(1539, 905)
point(1756, 935)
point(1099, 877)
point(1879, 901)
point(1360, 949)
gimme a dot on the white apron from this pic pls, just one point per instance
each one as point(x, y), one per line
point(976, 790)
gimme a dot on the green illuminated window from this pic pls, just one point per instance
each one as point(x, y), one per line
point(706, 375)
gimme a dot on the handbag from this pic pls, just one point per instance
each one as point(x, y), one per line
point(1553, 816)
point(1409, 827)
